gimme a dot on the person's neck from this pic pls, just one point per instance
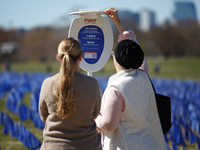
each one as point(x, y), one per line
point(119, 68)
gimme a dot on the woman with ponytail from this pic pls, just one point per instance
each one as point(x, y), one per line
point(69, 103)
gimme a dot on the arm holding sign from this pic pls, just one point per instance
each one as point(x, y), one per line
point(112, 14)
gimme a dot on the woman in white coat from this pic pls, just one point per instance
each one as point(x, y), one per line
point(129, 118)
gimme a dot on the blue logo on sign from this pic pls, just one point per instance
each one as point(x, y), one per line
point(92, 41)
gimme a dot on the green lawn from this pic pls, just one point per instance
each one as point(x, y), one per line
point(176, 68)
point(172, 68)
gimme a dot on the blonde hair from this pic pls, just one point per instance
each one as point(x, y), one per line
point(69, 50)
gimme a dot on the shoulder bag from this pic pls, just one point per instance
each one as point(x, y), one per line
point(164, 110)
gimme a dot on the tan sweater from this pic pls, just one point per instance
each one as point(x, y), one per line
point(79, 130)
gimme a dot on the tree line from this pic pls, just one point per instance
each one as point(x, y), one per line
point(40, 44)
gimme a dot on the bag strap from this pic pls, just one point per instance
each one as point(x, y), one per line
point(36, 146)
point(152, 85)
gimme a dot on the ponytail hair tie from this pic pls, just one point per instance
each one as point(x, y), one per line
point(66, 53)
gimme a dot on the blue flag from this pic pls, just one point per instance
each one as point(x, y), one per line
point(192, 138)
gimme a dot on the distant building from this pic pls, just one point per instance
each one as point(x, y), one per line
point(144, 20)
point(184, 11)
point(147, 19)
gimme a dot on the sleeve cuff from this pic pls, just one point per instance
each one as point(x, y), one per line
point(129, 34)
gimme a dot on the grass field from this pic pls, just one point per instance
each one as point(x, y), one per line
point(172, 68)
point(181, 68)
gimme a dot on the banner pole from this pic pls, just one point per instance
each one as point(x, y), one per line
point(90, 74)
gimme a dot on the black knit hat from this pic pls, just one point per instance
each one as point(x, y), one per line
point(129, 54)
